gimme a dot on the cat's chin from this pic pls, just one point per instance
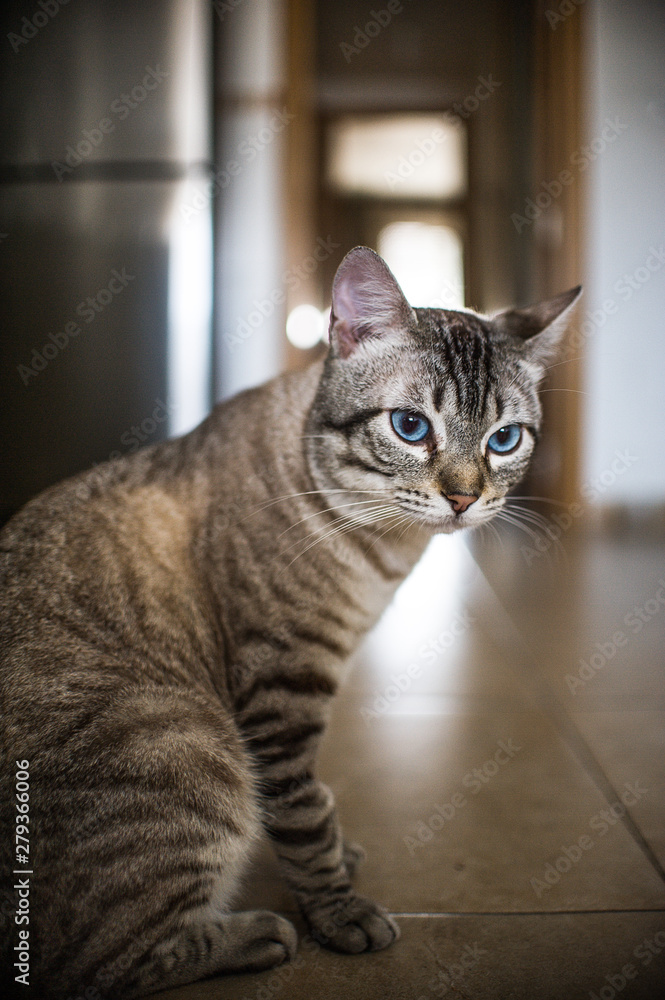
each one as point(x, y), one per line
point(448, 525)
point(442, 525)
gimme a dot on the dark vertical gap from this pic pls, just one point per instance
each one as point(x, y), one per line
point(522, 43)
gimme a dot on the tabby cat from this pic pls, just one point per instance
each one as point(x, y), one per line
point(173, 626)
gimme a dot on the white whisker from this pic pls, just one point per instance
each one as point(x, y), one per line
point(327, 510)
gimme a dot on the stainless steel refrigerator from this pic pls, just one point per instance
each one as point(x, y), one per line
point(105, 232)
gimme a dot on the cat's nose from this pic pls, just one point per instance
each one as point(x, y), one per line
point(461, 501)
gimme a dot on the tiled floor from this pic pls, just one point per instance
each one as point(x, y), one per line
point(511, 796)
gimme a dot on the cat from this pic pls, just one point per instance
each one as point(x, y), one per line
point(173, 626)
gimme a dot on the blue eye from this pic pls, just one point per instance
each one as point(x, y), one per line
point(506, 439)
point(410, 426)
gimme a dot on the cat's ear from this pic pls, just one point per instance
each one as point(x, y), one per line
point(541, 326)
point(366, 302)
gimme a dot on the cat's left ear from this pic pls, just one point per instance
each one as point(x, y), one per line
point(541, 326)
point(367, 302)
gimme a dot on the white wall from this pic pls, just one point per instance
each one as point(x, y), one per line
point(625, 317)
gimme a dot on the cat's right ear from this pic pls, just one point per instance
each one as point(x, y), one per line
point(367, 302)
point(542, 326)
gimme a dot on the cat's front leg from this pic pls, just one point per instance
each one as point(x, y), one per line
point(301, 819)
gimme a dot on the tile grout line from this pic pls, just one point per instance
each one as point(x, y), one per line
point(550, 703)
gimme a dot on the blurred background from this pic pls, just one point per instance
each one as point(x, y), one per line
point(180, 179)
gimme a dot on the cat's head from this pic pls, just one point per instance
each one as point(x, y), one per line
point(432, 414)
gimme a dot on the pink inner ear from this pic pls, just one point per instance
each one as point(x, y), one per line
point(345, 307)
point(344, 338)
point(345, 311)
point(367, 301)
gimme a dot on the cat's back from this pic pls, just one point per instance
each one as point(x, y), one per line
point(110, 561)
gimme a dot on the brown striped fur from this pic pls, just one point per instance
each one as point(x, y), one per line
point(172, 628)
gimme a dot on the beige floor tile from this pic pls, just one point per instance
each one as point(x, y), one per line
point(594, 623)
point(630, 746)
point(447, 827)
point(526, 957)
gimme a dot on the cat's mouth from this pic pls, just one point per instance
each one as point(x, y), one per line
point(446, 519)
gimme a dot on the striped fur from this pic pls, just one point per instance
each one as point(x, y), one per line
point(172, 628)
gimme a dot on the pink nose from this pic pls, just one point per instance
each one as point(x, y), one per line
point(461, 501)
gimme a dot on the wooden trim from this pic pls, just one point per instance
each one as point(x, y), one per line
point(558, 132)
point(302, 161)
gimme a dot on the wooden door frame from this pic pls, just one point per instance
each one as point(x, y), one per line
point(558, 134)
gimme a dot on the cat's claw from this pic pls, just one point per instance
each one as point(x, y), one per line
point(354, 926)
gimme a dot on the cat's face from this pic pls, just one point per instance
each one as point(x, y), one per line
point(428, 415)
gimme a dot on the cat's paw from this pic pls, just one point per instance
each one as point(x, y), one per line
point(353, 926)
point(261, 939)
point(352, 856)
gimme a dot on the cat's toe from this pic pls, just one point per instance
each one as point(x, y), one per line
point(355, 926)
point(274, 941)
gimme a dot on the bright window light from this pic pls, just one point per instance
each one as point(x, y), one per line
point(427, 261)
point(398, 156)
point(189, 317)
point(305, 326)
